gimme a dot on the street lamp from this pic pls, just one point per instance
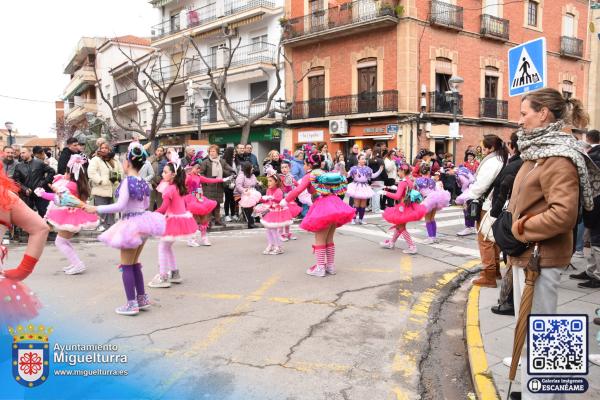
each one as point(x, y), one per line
point(9, 128)
point(204, 93)
point(453, 97)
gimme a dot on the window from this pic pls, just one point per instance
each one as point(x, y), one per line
point(259, 43)
point(259, 91)
point(567, 89)
point(367, 89)
point(107, 92)
point(492, 7)
point(143, 116)
point(532, 13)
point(491, 87)
point(441, 82)
point(316, 96)
point(569, 25)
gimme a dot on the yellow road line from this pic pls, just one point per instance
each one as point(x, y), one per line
point(482, 377)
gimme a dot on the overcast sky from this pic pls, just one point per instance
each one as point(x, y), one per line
point(38, 38)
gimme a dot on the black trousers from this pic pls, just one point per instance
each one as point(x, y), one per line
point(248, 214)
point(230, 204)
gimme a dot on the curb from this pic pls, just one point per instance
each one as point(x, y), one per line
point(483, 381)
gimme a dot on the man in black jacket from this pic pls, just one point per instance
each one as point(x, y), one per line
point(73, 147)
point(31, 174)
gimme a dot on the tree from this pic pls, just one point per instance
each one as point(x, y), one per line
point(149, 75)
point(246, 115)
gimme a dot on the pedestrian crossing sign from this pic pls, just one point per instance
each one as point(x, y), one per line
point(527, 67)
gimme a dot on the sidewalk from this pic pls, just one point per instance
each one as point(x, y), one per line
point(496, 334)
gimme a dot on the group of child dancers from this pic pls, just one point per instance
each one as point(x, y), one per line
point(186, 211)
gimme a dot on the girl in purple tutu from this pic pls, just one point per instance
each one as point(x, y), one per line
point(465, 178)
point(135, 226)
point(435, 198)
point(360, 189)
point(180, 223)
point(277, 216)
point(288, 183)
point(406, 210)
point(198, 204)
point(327, 213)
point(65, 211)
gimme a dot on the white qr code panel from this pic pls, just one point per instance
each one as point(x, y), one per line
point(557, 344)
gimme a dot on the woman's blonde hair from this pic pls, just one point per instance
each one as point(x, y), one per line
point(569, 110)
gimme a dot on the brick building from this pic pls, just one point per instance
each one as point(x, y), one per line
point(383, 67)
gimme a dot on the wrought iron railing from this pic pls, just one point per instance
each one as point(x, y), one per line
point(126, 97)
point(341, 15)
point(167, 73)
point(248, 108)
point(440, 103)
point(368, 102)
point(493, 108)
point(446, 14)
point(571, 46)
point(494, 27)
point(236, 6)
point(202, 15)
point(254, 53)
point(166, 27)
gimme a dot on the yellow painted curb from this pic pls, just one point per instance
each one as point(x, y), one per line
point(482, 377)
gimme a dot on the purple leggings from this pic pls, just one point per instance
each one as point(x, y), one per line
point(133, 280)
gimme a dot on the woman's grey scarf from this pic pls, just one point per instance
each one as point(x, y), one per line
point(551, 141)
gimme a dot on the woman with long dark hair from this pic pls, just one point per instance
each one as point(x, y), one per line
point(231, 212)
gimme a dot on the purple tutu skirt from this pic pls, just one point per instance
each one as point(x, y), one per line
point(180, 226)
point(250, 198)
point(325, 211)
point(437, 200)
point(360, 190)
point(71, 219)
point(401, 214)
point(199, 207)
point(130, 232)
point(17, 303)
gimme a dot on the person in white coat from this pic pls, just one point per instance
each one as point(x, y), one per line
point(104, 173)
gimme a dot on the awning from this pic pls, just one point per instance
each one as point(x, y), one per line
point(347, 138)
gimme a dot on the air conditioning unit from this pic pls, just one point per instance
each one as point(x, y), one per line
point(338, 126)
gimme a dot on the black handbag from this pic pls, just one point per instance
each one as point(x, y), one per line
point(504, 237)
point(474, 209)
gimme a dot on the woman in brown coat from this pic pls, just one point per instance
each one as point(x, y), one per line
point(215, 167)
point(555, 175)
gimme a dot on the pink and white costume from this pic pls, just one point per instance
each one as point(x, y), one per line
point(180, 222)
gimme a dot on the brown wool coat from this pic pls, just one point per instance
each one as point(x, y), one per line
point(550, 194)
point(214, 191)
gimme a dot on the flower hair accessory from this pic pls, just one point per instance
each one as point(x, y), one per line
point(75, 163)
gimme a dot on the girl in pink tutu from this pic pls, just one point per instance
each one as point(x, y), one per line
point(198, 204)
point(327, 213)
point(276, 216)
point(245, 184)
point(288, 183)
point(406, 210)
point(17, 302)
point(435, 198)
point(360, 188)
point(135, 226)
point(65, 211)
point(180, 223)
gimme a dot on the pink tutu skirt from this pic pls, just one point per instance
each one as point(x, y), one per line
point(130, 232)
point(71, 219)
point(281, 216)
point(437, 200)
point(305, 198)
point(360, 191)
point(17, 303)
point(180, 226)
point(401, 214)
point(199, 207)
point(325, 211)
point(250, 198)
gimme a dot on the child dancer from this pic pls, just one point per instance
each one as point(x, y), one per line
point(288, 184)
point(407, 210)
point(435, 198)
point(359, 189)
point(326, 214)
point(65, 211)
point(465, 178)
point(197, 203)
point(17, 302)
point(180, 223)
point(277, 216)
point(135, 226)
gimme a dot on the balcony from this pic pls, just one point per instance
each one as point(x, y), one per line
point(82, 78)
point(446, 15)
point(78, 111)
point(251, 54)
point(494, 27)
point(493, 108)
point(370, 102)
point(128, 97)
point(571, 47)
point(438, 103)
point(345, 19)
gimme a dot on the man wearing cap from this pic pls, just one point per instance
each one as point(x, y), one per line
point(73, 147)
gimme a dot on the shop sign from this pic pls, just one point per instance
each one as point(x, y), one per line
point(374, 130)
point(258, 135)
point(392, 129)
point(310, 136)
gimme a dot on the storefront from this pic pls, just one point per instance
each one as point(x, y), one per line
point(262, 138)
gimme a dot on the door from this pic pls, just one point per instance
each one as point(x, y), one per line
point(316, 96)
point(490, 107)
point(176, 104)
point(492, 8)
point(317, 20)
point(569, 25)
point(212, 56)
point(441, 87)
point(367, 89)
point(212, 108)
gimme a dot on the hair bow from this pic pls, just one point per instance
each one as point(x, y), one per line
point(75, 163)
point(269, 171)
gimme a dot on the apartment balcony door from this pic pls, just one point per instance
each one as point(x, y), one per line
point(318, 17)
point(367, 89)
point(176, 104)
point(316, 95)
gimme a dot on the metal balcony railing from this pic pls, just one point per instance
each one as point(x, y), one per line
point(166, 27)
point(571, 47)
point(439, 103)
point(125, 98)
point(236, 6)
point(494, 27)
point(167, 73)
point(247, 108)
point(493, 108)
point(368, 102)
point(345, 14)
point(181, 117)
point(201, 15)
point(446, 14)
point(254, 53)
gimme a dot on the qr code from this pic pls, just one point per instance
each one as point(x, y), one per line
point(557, 344)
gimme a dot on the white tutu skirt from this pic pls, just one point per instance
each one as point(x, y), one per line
point(360, 190)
